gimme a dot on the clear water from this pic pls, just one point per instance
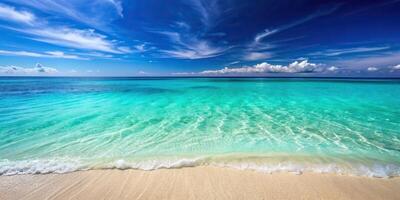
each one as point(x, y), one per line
point(349, 126)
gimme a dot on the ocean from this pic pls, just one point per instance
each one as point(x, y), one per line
point(326, 125)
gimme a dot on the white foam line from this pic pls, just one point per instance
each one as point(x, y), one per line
point(59, 166)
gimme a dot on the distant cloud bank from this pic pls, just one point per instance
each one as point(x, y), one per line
point(39, 69)
point(300, 66)
point(295, 67)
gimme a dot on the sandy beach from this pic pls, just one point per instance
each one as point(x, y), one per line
point(195, 183)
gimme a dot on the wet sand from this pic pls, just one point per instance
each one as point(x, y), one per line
point(195, 183)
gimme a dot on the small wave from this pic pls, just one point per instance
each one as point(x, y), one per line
point(157, 164)
point(8, 168)
point(376, 170)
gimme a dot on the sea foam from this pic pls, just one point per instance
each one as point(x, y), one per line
point(8, 168)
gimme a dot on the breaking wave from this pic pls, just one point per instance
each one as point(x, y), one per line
point(379, 170)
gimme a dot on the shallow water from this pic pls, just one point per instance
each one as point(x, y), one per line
point(324, 125)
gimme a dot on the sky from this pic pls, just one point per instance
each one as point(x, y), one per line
point(200, 38)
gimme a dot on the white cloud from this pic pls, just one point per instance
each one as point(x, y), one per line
point(371, 69)
point(38, 69)
point(140, 47)
point(10, 13)
point(295, 67)
point(92, 71)
point(185, 73)
point(252, 56)
point(396, 67)
point(142, 72)
point(47, 54)
point(332, 68)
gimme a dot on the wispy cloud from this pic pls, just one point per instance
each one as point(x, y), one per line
point(64, 36)
point(264, 34)
point(142, 47)
point(95, 55)
point(233, 63)
point(21, 53)
point(256, 49)
point(208, 10)
point(38, 69)
point(372, 69)
point(60, 54)
point(190, 47)
point(386, 59)
point(198, 51)
point(189, 42)
point(268, 32)
point(81, 39)
point(338, 52)
point(47, 54)
point(11, 14)
point(97, 14)
point(118, 6)
point(376, 4)
point(252, 56)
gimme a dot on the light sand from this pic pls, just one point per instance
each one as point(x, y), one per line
point(195, 183)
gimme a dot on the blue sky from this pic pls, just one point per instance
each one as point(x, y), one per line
point(200, 38)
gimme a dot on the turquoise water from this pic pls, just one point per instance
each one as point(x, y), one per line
point(56, 125)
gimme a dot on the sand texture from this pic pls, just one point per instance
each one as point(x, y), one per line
point(195, 183)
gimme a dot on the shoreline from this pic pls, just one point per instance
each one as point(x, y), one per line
point(260, 163)
point(204, 182)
